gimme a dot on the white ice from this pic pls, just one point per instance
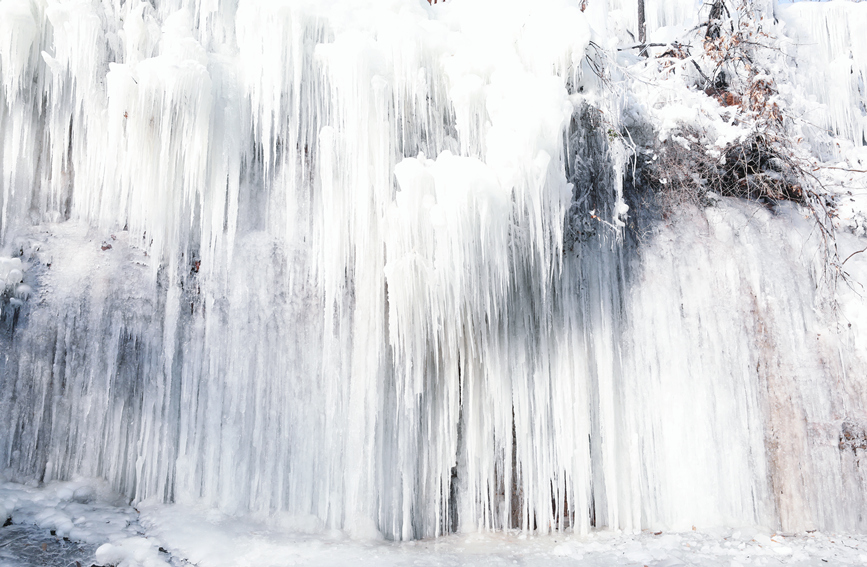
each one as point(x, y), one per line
point(365, 264)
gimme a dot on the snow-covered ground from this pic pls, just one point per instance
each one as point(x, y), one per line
point(48, 520)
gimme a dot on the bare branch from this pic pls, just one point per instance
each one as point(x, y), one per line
point(852, 254)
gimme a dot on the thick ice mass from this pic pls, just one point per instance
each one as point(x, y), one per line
point(368, 265)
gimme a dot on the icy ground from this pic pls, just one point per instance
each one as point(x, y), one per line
point(24, 545)
point(82, 523)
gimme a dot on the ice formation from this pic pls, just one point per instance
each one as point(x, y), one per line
point(366, 264)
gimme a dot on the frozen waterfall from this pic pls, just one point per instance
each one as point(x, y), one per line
point(369, 263)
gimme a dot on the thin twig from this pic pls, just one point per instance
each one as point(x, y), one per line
point(700, 72)
point(840, 168)
point(852, 254)
point(646, 45)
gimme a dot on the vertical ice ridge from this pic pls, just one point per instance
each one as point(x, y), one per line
point(832, 54)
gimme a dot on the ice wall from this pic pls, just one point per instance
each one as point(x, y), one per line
point(367, 265)
point(734, 346)
point(829, 51)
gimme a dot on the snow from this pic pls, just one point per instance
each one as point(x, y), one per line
point(164, 535)
point(300, 279)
